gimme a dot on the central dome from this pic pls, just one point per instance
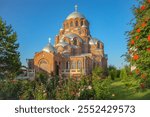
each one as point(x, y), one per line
point(75, 15)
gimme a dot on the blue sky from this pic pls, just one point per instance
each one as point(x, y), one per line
point(37, 20)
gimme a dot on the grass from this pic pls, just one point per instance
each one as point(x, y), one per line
point(128, 90)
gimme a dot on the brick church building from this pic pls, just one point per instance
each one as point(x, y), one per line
point(75, 51)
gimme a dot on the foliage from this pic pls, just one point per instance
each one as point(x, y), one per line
point(41, 77)
point(68, 90)
point(128, 90)
point(97, 72)
point(85, 88)
point(9, 89)
point(89, 87)
point(86, 94)
point(26, 90)
point(9, 56)
point(113, 72)
point(40, 92)
point(123, 74)
point(101, 87)
point(139, 42)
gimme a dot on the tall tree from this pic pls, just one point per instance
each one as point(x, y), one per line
point(123, 74)
point(9, 56)
point(139, 42)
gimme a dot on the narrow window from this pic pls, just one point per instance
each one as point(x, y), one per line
point(75, 41)
point(76, 23)
point(98, 45)
point(71, 24)
point(79, 64)
point(73, 65)
point(67, 65)
point(66, 25)
point(81, 23)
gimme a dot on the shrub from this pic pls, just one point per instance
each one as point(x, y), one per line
point(123, 74)
point(102, 89)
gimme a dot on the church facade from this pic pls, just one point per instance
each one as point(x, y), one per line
point(75, 51)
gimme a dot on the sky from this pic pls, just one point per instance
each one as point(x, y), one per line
point(37, 20)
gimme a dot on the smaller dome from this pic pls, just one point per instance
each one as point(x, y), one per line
point(71, 36)
point(62, 43)
point(93, 41)
point(61, 29)
point(49, 48)
point(84, 26)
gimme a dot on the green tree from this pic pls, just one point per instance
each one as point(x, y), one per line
point(98, 72)
point(9, 56)
point(101, 87)
point(139, 41)
point(113, 72)
point(123, 74)
point(10, 89)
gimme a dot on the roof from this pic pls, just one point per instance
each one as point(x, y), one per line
point(75, 15)
point(49, 48)
point(94, 41)
point(82, 55)
point(72, 36)
point(62, 43)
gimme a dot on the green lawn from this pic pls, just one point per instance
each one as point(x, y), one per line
point(129, 90)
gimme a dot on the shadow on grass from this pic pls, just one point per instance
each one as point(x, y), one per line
point(120, 93)
point(141, 95)
point(128, 91)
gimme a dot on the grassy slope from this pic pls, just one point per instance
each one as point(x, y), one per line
point(129, 90)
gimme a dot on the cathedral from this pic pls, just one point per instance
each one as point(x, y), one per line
point(75, 51)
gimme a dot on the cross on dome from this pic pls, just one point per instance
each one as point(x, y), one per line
point(49, 40)
point(75, 14)
point(76, 8)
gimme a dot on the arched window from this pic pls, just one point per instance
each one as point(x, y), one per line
point(76, 23)
point(66, 25)
point(67, 65)
point(81, 23)
point(43, 65)
point(79, 65)
point(63, 65)
point(43, 62)
point(71, 24)
point(73, 65)
point(75, 42)
point(98, 45)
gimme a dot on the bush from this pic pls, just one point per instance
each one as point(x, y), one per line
point(113, 72)
point(9, 89)
point(102, 89)
point(86, 94)
point(123, 74)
